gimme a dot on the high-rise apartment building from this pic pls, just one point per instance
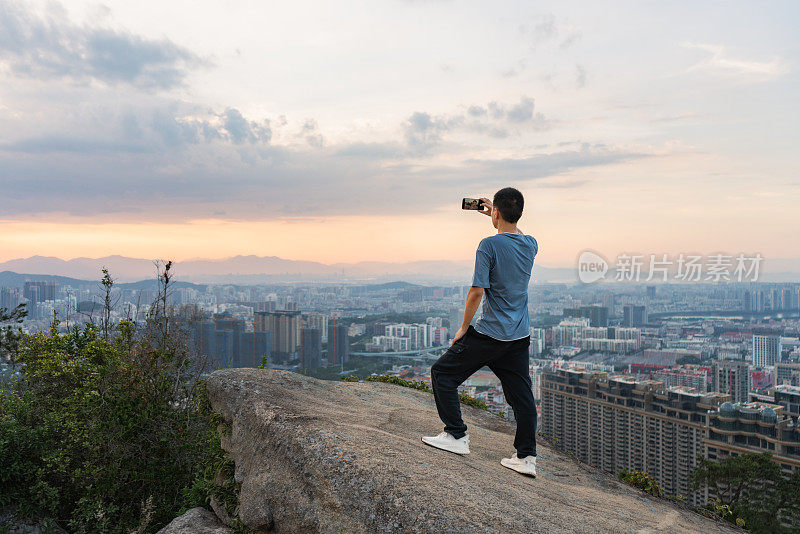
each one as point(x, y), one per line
point(608, 302)
point(731, 377)
point(338, 343)
point(634, 334)
point(310, 348)
point(224, 354)
point(576, 332)
point(454, 317)
point(224, 322)
point(788, 299)
point(39, 291)
point(756, 427)
point(789, 398)
point(688, 376)
point(226, 344)
point(634, 315)
point(616, 422)
point(537, 341)
point(284, 330)
point(569, 331)
point(597, 315)
point(36, 292)
point(417, 334)
point(253, 348)
point(318, 321)
point(766, 350)
point(753, 301)
point(9, 297)
point(787, 373)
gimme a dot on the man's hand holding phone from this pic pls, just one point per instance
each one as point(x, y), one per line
point(487, 207)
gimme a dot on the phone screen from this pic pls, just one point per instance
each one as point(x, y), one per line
point(471, 204)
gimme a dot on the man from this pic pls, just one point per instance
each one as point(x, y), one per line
point(499, 339)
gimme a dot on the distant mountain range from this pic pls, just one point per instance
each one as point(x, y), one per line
point(272, 269)
point(10, 278)
point(258, 269)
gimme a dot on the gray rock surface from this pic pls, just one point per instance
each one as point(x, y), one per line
point(338, 457)
point(20, 525)
point(196, 521)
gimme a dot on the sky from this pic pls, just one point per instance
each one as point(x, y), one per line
point(350, 131)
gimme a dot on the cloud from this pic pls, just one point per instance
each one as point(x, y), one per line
point(521, 112)
point(553, 164)
point(48, 144)
point(570, 40)
point(157, 127)
point(52, 47)
point(718, 61)
point(547, 29)
point(675, 118)
point(259, 182)
point(424, 131)
point(240, 129)
point(389, 150)
point(311, 134)
point(580, 76)
point(476, 111)
point(544, 29)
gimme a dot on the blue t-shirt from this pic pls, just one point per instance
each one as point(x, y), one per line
point(503, 266)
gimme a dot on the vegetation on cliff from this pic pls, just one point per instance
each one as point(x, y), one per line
point(417, 384)
point(106, 429)
point(749, 490)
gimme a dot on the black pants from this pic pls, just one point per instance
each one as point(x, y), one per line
point(509, 361)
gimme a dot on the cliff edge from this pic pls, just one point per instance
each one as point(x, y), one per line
point(318, 456)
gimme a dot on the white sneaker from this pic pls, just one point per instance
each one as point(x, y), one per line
point(526, 466)
point(447, 442)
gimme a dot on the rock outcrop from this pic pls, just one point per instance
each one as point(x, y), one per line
point(196, 521)
point(344, 457)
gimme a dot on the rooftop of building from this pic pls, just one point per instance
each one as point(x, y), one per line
point(655, 386)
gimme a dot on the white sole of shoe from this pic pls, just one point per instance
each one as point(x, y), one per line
point(461, 452)
point(517, 468)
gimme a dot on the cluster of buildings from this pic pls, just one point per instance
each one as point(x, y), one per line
point(579, 334)
point(39, 297)
point(618, 421)
point(272, 337)
point(299, 336)
point(772, 299)
point(400, 337)
point(638, 377)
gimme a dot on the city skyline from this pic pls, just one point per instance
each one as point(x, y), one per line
point(351, 133)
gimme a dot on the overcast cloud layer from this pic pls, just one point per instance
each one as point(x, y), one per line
point(256, 113)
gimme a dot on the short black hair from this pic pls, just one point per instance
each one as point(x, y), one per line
point(509, 203)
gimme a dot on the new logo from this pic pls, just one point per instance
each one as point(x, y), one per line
point(591, 267)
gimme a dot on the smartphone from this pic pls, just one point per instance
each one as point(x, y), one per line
point(472, 204)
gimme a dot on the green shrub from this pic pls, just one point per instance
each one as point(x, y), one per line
point(642, 481)
point(107, 430)
point(396, 380)
point(749, 490)
point(472, 401)
point(422, 386)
